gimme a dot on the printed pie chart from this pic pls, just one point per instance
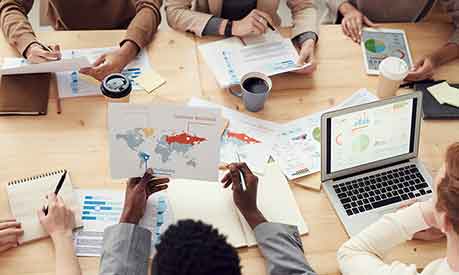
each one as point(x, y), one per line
point(375, 46)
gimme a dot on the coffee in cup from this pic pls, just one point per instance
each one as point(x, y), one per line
point(255, 89)
point(392, 71)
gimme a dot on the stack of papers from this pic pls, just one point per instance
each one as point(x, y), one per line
point(295, 146)
point(229, 59)
point(445, 94)
point(250, 138)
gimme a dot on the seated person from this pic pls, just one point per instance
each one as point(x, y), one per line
point(140, 17)
point(59, 224)
point(354, 14)
point(363, 253)
point(246, 17)
point(190, 247)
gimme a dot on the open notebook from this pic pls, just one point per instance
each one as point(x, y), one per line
point(28, 195)
point(210, 203)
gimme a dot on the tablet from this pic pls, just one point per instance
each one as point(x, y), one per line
point(378, 44)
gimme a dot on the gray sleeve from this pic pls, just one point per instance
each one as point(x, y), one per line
point(452, 8)
point(282, 247)
point(126, 249)
point(299, 39)
point(213, 26)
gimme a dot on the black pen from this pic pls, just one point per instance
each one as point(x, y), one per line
point(57, 189)
point(269, 24)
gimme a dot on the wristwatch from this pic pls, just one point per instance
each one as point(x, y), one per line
point(229, 29)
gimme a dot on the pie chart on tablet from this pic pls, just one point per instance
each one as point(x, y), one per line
point(375, 46)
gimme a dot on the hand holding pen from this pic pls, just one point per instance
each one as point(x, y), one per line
point(246, 200)
point(256, 23)
point(39, 53)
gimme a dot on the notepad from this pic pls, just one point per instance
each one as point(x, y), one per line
point(27, 195)
point(150, 81)
point(445, 94)
point(212, 204)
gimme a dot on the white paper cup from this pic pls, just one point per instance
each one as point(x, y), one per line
point(392, 71)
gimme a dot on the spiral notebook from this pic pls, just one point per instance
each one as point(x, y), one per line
point(27, 195)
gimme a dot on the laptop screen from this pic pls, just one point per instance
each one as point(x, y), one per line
point(371, 135)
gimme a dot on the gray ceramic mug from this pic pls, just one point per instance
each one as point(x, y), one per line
point(255, 89)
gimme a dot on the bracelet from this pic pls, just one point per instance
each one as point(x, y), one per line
point(229, 29)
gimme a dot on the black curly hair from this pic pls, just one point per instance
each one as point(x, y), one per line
point(194, 248)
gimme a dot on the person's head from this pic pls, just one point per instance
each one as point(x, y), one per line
point(446, 195)
point(194, 248)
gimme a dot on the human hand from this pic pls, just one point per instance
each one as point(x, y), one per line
point(432, 233)
point(246, 201)
point(254, 23)
point(10, 231)
point(60, 220)
point(353, 21)
point(423, 69)
point(112, 62)
point(307, 56)
point(36, 53)
point(138, 190)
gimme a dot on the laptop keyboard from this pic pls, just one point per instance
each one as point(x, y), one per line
point(375, 191)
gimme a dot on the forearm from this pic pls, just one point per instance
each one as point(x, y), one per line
point(15, 25)
point(66, 260)
point(445, 54)
point(305, 17)
point(145, 24)
point(215, 26)
point(181, 17)
point(282, 247)
point(364, 252)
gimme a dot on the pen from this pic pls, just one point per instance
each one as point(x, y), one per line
point(269, 24)
point(243, 185)
point(57, 189)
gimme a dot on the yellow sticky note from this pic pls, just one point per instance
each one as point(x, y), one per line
point(451, 97)
point(439, 90)
point(150, 81)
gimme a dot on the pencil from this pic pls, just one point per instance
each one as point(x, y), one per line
point(59, 106)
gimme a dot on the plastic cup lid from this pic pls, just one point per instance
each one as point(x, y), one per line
point(116, 86)
point(393, 68)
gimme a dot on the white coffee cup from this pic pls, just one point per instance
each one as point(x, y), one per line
point(392, 71)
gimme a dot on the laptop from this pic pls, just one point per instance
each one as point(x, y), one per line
point(369, 160)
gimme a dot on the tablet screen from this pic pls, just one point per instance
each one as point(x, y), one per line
point(379, 45)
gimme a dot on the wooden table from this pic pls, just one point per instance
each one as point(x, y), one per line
point(76, 139)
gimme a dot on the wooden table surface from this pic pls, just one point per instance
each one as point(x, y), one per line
point(77, 138)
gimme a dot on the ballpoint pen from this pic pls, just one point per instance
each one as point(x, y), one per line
point(57, 189)
point(243, 185)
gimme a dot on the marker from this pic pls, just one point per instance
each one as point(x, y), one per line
point(243, 185)
point(57, 189)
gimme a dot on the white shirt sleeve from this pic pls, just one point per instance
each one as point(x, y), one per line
point(363, 253)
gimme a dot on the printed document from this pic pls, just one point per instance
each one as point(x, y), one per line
point(18, 65)
point(174, 141)
point(102, 208)
point(73, 84)
point(250, 137)
point(229, 59)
